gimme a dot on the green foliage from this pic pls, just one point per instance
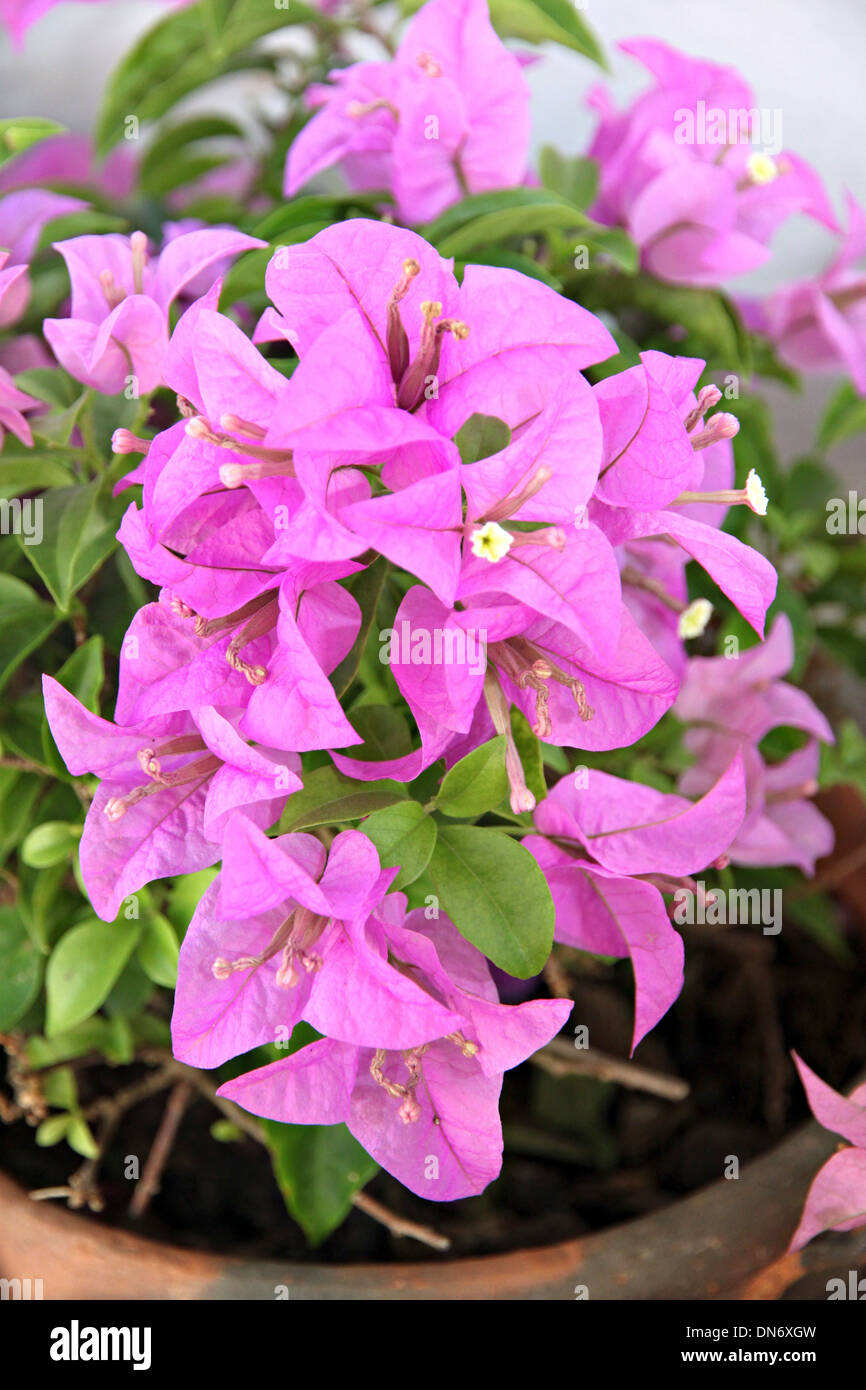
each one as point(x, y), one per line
point(185, 51)
point(477, 783)
point(319, 1168)
point(481, 436)
point(329, 798)
point(496, 896)
point(20, 969)
point(18, 133)
point(546, 21)
point(844, 417)
point(83, 968)
point(404, 836)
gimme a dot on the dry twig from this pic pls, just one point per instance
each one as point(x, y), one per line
point(560, 1058)
point(399, 1225)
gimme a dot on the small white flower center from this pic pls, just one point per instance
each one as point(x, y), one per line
point(491, 541)
point(693, 620)
point(762, 168)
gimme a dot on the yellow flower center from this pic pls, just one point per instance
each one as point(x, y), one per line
point(491, 542)
point(762, 167)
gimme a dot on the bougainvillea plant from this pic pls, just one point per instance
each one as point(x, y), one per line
point(395, 519)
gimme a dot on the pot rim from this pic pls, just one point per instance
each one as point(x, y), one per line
point(728, 1240)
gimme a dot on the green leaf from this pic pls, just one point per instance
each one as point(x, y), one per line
point(28, 472)
point(807, 488)
point(297, 213)
point(18, 792)
point(187, 49)
point(329, 798)
point(384, 731)
point(470, 228)
point(118, 1043)
point(85, 222)
point(131, 992)
point(163, 166)
point(571, 176)
point(82, 675)
point(25, 622)
point(480, 436)
point(530, 750)
point(225, 1132)
point(18, 133)
point(404, 835)
point(61, 1089)
point(184, 896)
point(845, 416)
point(55, 428)
point(754, 447)
point(53, 842)
point(513, 260)
point(43, 902)
point(92, 1035)
point(496, 896)
point(546, 21)
point(20, 969)
point(845, 761)
point(523, 219)
point(366, 591)
point(319, 1168)
point(79, 1138)
point(83, 968)
point(615, 244)
point(50, 384)
point(44, 906)
point(22, 726)
point(713, 327)
point(78, 534)
point(52, 1130)
point(477, 783)
point(476, 206)
point(158, 951)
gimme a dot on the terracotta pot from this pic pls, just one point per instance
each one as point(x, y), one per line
point(726, 1241)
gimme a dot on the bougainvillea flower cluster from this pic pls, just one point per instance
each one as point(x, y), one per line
point(256, 507)
point(448, 115)
point(451, 485)
point(684, 169)
point(820, 325)
point(731, 706)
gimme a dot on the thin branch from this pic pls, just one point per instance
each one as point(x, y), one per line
point(121, 1101)
point(83, 1185)
point(399, 1225)
point(205, 1087)
point(556, 977)
point(148, 1184)
point(560, 1058)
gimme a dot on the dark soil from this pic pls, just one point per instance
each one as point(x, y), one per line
point(580, 1154)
